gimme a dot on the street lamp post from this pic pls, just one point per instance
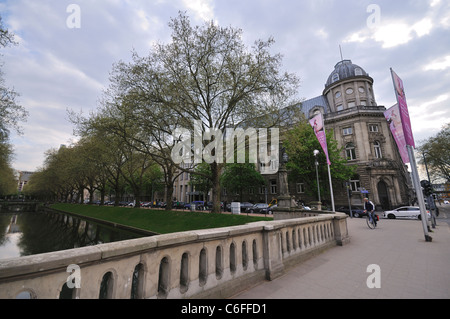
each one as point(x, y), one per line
point(316, 152)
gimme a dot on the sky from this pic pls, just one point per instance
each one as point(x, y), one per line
point(66, 50)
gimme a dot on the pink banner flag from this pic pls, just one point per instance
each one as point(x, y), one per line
point(319, 130)
point(395, 124)
point(403, 109)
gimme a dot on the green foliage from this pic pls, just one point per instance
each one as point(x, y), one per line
point(437, 153)
point(201, 179)
point(240, 176)
point(300, 143)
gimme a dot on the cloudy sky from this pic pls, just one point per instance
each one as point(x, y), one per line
point(63, 62)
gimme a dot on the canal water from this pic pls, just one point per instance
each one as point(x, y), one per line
point(24, 234)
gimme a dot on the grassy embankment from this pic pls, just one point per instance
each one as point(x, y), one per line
point(159, 221)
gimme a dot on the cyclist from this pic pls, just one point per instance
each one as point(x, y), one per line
point(369, 207)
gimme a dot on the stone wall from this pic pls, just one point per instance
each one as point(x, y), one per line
point(211, 263)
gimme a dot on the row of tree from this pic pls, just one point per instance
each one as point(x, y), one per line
point(95, 163)
point(11, 114)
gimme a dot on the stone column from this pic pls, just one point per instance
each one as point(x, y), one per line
point(273, 259)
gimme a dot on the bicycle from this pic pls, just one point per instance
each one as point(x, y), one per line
point(370, 220)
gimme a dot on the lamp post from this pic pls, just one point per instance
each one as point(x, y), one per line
point(316, 152)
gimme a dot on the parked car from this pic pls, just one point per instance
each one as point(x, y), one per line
point(178, 205)
point(357, 211)
point(270, 210)
point(199, 205)
point(405, 212)
point(260, 208)
point(146, 204)
point(209, 205)
point(245, 205)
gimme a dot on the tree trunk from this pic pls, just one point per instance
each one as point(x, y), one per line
point(169, 194)
point(215, 171)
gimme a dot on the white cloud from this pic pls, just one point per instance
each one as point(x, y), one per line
point(203, 9)
point(423, 27)
point(438, 64)
point(392, 34)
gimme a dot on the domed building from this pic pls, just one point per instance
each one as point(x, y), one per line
point(350, 109)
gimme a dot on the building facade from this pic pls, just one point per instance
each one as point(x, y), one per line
point(24, 177)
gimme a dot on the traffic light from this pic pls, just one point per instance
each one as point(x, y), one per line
point(427, 188)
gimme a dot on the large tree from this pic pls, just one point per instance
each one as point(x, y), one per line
point(205, 74)
point(300, 143)
point(436, 151)
point(241, 176)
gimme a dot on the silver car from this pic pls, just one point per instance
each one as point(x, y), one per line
point(412, 212)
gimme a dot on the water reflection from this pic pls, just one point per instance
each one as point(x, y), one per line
point(23, 234)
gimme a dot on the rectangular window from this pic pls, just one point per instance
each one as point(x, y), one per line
point(373, 128)
point(273, 186)
point(347, 131)
point(351, 104)
point(351, 155)
point(377, 150)
point(262, 190)
point(355, 185)
point(339, 108)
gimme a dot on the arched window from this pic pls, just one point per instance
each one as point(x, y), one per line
point(335, 77)
point(255, 254)
point(350, 151)
point(358, 72)
point(202, 271)
point(106, 286)
point(26, 295)
point(233, 258)
point(184, 273)
point(137, 282)
point(244, 255)
point(163, 278)
point(377, 149)
point(219, 264)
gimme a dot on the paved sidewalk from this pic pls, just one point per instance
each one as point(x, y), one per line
point(409, 267)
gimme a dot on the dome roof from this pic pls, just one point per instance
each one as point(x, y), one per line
point(345, 69)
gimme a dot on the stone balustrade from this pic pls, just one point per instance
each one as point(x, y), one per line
point(211, 263)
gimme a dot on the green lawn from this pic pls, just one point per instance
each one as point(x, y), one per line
point(159, 221)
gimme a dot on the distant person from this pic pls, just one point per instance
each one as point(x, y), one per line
point(369, 207)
